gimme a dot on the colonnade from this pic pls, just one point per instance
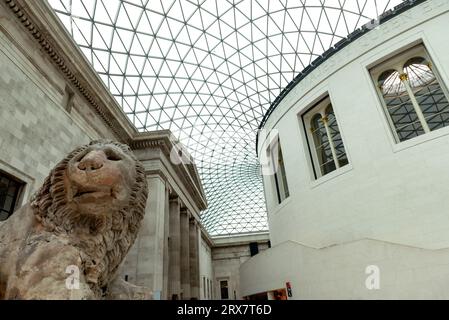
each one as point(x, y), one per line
point(165, 256)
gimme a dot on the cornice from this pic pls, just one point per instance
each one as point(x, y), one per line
point(154, 139)
point(41, 23)
point(39, 20)
point(166, 142)
point(206, 237)
point(386, 16)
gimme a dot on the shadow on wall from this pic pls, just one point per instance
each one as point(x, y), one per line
point(362, 269)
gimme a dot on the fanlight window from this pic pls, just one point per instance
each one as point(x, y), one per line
point(327, 147)
point(414, 99)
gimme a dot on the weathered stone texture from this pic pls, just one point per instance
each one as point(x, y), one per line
point(84, 218)
point(35, 129)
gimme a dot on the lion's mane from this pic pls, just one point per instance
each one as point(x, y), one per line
point(102, 251)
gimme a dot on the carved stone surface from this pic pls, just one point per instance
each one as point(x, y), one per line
point(69, 241)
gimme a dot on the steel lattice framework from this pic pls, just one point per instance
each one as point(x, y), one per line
point(208, 70)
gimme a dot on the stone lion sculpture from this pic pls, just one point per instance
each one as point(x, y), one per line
point(70, 240)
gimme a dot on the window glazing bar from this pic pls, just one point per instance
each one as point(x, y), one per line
point(325, 121)
point(405, 81)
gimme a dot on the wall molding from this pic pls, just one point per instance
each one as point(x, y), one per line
point(43, 27)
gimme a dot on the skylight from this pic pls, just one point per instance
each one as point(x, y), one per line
point(208, 70)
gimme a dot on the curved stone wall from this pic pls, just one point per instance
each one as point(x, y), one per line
point(391, 192)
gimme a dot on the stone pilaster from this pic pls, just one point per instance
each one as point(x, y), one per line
point(185, 255)
point(174, 287)
point(194, 260)
point(166, 253)
point(144, 265)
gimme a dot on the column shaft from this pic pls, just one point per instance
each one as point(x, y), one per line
point(194, 261)
point(185, 255)
point(166, 249)
point(150, 252)
point(174, 287)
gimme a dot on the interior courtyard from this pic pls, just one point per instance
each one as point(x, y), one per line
point(290, 149)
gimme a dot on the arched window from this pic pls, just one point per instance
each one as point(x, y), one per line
point(428, 92)
point(326, 144)
point(414, 99)
point(336, 137)
point(399, 105)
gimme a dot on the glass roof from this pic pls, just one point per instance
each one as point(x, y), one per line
point(208, 70)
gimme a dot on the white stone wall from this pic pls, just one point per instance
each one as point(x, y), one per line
point(144, 265)
point(228, 255)
point(340, 272)
point(35, 129)
point(390, 192)
point(206, 271)
point(226, 263)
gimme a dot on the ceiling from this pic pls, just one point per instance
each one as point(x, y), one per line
point(208, 70)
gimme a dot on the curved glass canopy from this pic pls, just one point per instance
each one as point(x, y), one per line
point(208, 70)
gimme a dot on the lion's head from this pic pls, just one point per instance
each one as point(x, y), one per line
point(96, 196)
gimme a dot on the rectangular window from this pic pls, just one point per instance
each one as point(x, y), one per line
point(209, 287)
point(224, 289)
point(326, 145)
point(204, 287)
point(279, 176)
point(253, 248)
point(413, 97)
point(9, 194)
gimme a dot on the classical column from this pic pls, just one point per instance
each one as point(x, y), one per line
point(174, 287)
point(166, 261)
point(185, 256)
point(148, 258)
point(194, 260)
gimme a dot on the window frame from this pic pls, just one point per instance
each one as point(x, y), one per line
point(254, 248)
point(396, 62)
point(209, 289)
point(221, 288)
point(306, 118)
point(18, 195)
point(204, 287)
point(279, 179)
